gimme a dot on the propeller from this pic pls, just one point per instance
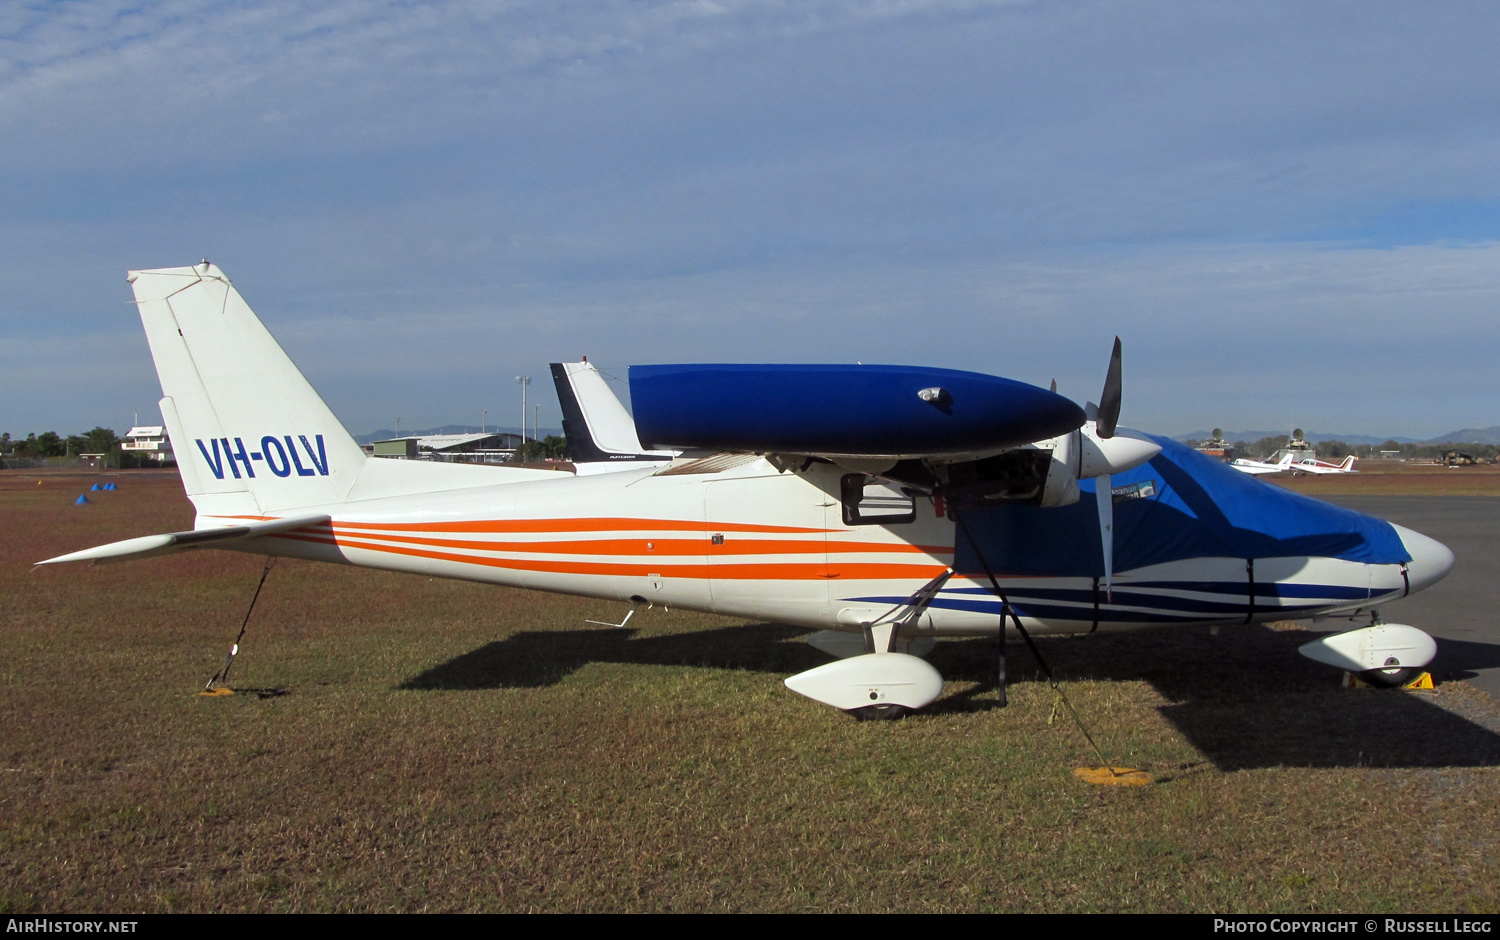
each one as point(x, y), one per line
point(1106, 417)
point(1104, 492)
point(1102, 450)
point(1109, 399)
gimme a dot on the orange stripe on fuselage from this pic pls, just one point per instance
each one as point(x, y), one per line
point(660, 547)
point(611, 525)
point(746, 571)
point(580, 525)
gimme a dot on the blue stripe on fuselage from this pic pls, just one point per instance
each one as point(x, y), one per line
point(1029, 599)
point(1231, 588)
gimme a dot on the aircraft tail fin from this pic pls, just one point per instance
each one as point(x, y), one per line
point(249, 432)
point(598, 428)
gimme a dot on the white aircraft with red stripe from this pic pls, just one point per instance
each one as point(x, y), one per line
point(887, 504)
point(1314, 465)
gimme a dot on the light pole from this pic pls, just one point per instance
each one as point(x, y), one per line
point(523, 381)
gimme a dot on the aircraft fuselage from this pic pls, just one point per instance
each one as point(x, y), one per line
point(751, 541)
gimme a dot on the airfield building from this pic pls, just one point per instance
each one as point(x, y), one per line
point(149, 442)
point(494, 447)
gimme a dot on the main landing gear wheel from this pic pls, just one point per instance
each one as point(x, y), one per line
point(882, 712)
point(875, 685)
point(1388, 678)
point(1384, 655)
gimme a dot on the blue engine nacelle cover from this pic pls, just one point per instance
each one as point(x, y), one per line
point(841, 409)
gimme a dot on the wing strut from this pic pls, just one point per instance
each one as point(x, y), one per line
point(882, 632)
point(223, 674)
point(1115, 774)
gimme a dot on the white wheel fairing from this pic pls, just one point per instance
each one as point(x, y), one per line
point(874, 679)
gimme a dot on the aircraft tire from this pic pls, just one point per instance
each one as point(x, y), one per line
point(883, 712)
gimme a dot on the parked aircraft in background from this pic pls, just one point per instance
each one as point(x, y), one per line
point(1314, 465)
point(600, 432)
point(893, 503)
point(1257, 467)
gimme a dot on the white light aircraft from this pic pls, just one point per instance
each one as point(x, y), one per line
point(892, 504)
point(1314, 465)
point(1258, 467)
point(600, 432)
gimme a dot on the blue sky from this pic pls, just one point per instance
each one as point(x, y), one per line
point(1290, 212)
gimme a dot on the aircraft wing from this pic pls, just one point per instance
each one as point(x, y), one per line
point(972, 435)
point(173, 542)
point(870, 411)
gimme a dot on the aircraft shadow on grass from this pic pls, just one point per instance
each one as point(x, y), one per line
point(1244, 699)
point(538, 658)
point(1458, 659)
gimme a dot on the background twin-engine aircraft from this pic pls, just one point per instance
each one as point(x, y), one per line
point(883, 505)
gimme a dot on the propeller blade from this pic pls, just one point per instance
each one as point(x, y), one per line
point(1104, 491)
point(1109, 399)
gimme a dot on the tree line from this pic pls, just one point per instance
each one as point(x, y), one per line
point(550, 447)
point(51, 445)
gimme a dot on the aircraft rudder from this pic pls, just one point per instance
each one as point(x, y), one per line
point(598, 429)
point(582, 448)
point(243, 419)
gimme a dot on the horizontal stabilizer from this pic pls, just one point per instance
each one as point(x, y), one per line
point(172, 542)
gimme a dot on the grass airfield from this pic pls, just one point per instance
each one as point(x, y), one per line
point(401, 744)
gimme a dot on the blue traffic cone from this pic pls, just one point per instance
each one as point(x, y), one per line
point(81, 500)
point(94, 488)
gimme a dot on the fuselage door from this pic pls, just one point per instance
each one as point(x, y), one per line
point(768, 552)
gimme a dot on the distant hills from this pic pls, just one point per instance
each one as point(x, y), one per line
point(1490, 435)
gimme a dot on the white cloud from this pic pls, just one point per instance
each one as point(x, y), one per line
point(984, 185)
